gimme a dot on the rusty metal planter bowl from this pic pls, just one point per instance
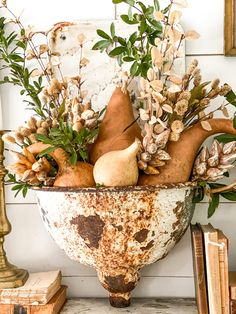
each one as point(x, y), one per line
point(117, 230)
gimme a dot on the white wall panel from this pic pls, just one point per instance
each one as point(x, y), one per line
point(30, 246)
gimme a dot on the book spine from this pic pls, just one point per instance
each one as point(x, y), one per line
point(233, 307)
point(14, 309)
point(200, 282)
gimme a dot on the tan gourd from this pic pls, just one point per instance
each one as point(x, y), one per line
point(119, 115)
point(118, 168)
point(183, 153)
point(80, 175)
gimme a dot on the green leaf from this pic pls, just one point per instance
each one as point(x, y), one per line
point(101, 45)
point(47, 151)
point(234, 122)
point(134, 68)
point(143, 27)
point(43, 138)
point(230, 195)
point(197, 92)
point(225, 138)
point(73, 158)
point(117, 51)
point(102, 34)
point(198, 195)
point(25, 190)
point(213, 204)
point(143, 7)
point(83, 154)
point(117, 1)
point(156, 5)
point(112, 30)
point(128, 59)
point(133, 38)
point(126, 19)
point(231, 98)
point(121, 41)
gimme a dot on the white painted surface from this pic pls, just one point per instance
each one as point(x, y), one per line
point(30, 246)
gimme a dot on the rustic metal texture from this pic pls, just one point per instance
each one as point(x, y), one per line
point(117, 230)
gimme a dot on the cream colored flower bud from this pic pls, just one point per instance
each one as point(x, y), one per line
point(19, 138)
point(77, 126)
point(142, 165)
point(152, 148)
point(32, 138)
point(177, 126)
point(90, 123)
point(41, 176)
point(42, 131)
point(174, 137)
point(146, 157)
point(32, 123)
point(25, 132)
point(215, 84)
point(38, 123)
point(87, 114)
point(45, 125)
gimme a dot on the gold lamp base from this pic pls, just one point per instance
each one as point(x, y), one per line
point(12, 277)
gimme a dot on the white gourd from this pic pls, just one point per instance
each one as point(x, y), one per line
point(118, 168)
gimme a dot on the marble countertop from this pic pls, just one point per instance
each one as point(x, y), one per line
point(138, 306)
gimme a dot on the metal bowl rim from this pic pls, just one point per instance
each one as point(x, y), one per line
point(150, 188)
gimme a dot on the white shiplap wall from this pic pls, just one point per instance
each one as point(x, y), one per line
point(29, 245)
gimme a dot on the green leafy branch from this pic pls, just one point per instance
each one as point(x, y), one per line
point(12, 54)
point(135, 49)
point(19, 186)
point(214, 202)
point(74, 143)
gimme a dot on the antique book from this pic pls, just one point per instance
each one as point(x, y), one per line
point(38, 289)
point(54, 306)
point(199, 269)
point(224, 271)
point(233, 307)
point(232, 284)
point(211, 248)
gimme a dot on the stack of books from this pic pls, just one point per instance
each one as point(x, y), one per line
point(215, 286)
point(42, 293)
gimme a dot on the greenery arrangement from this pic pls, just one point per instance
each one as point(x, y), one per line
point(169, 103)
point(172, 103)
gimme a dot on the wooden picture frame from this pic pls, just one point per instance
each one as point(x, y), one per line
point(230, 28)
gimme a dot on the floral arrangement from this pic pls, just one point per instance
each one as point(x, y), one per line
point(168, 103)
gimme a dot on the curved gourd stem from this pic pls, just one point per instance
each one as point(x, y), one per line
point(59, 155)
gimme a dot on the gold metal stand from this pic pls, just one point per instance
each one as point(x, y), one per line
point(10, 275)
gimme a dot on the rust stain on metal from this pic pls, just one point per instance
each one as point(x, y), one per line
point(117, 230)
point(117, 284)
point(141, 235)
point(89, 228)
point(148, 246)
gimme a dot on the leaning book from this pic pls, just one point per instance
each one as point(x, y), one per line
point(199, 269)
point(38, 289)
point(210, 236)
